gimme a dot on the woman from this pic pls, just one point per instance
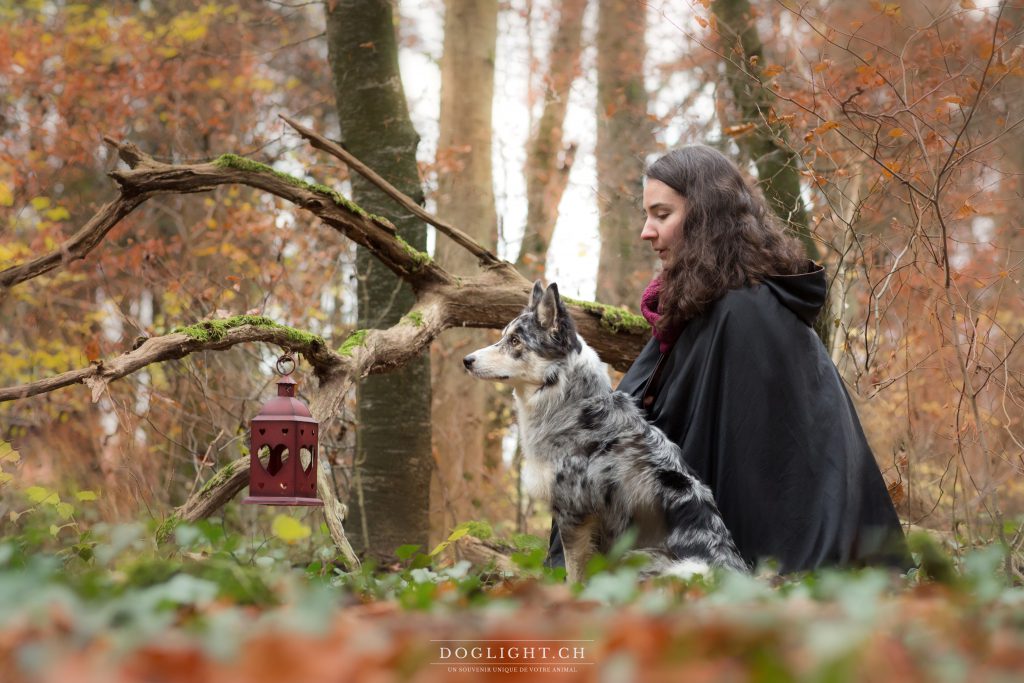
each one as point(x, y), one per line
point(736, 376)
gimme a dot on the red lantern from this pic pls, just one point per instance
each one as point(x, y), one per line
point(283, 448)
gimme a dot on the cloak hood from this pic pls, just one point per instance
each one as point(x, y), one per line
point(803, 294)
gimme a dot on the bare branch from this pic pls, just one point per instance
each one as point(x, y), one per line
point(228, 482)
point(336, 150)
point(488, 301)
point(148, 177)
point(174, 346)
point(75, 248)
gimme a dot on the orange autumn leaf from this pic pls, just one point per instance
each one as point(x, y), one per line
point(772, 70)
point(891, 168)
point(825, 127)
point(738, 129)
point(965, 211)
point(889, 9)
point(896, 492)
point(92, 350)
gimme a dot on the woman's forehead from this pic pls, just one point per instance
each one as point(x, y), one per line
point(657, 192)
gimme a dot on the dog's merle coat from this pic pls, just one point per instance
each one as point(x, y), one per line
point(589, 451)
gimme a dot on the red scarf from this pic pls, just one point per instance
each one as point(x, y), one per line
point(649, 310)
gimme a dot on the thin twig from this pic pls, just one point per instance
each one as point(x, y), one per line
point(336, 150)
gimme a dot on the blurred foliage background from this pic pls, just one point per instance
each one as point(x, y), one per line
point(887, 135)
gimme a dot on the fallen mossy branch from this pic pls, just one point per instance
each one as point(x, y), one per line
point(244, 164)
point(614, 319)
point(217, 329)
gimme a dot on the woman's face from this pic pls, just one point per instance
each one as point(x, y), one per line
point(665, 210)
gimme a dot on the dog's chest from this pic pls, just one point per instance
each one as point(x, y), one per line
point(538, 478)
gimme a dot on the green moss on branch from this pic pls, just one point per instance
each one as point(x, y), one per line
point(421, 258)
point(613, 318)
point(215, 330)
point(243, 164)
point(414, 318)
point(167, 527)
point(354, 340)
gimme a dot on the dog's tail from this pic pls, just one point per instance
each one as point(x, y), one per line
point(698, 535)
point(662, 563)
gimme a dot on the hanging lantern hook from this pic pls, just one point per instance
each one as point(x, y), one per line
point(286, 361)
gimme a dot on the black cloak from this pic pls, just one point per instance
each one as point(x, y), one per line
point(750, 395)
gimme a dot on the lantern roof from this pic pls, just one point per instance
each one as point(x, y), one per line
point(285, 406)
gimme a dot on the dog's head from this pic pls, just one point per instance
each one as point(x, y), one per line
point(541, 336)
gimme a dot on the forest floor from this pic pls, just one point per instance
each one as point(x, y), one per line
point(110, 604)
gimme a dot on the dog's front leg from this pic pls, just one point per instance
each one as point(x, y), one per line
point(578, 543)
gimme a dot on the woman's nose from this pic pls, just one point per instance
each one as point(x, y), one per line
point(648, 233)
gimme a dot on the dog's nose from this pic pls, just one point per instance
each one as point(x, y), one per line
point(468, 361)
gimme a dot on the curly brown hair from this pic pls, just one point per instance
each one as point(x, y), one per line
point(728, 238)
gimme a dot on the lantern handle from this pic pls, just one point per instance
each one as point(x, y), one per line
point(284, 359)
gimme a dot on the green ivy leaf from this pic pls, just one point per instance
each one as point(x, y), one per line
point(528, 542)
point(289, 529)
point(65, 510)
point(8, 454)
point(86, 495)
point(58, 213)
point(41, 494)
point(404, 552)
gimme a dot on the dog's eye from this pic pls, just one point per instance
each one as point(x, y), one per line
point(513, 339)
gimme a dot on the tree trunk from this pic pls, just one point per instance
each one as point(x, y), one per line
point(547, 163)
point(777, 164)
point(465, 196)
point(390, 501)
point(623, 138)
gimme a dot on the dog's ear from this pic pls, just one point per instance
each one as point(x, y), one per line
point(538, 292)
point(549, 307)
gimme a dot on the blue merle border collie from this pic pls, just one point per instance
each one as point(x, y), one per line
point(589, 452)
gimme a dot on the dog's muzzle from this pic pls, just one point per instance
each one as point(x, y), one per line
point(468, 361)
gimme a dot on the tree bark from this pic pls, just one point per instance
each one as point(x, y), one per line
point(776, 161)
point(777, 164)
point(624, 136)
point(393, 463)
point(465, 196)
point(548, 163)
